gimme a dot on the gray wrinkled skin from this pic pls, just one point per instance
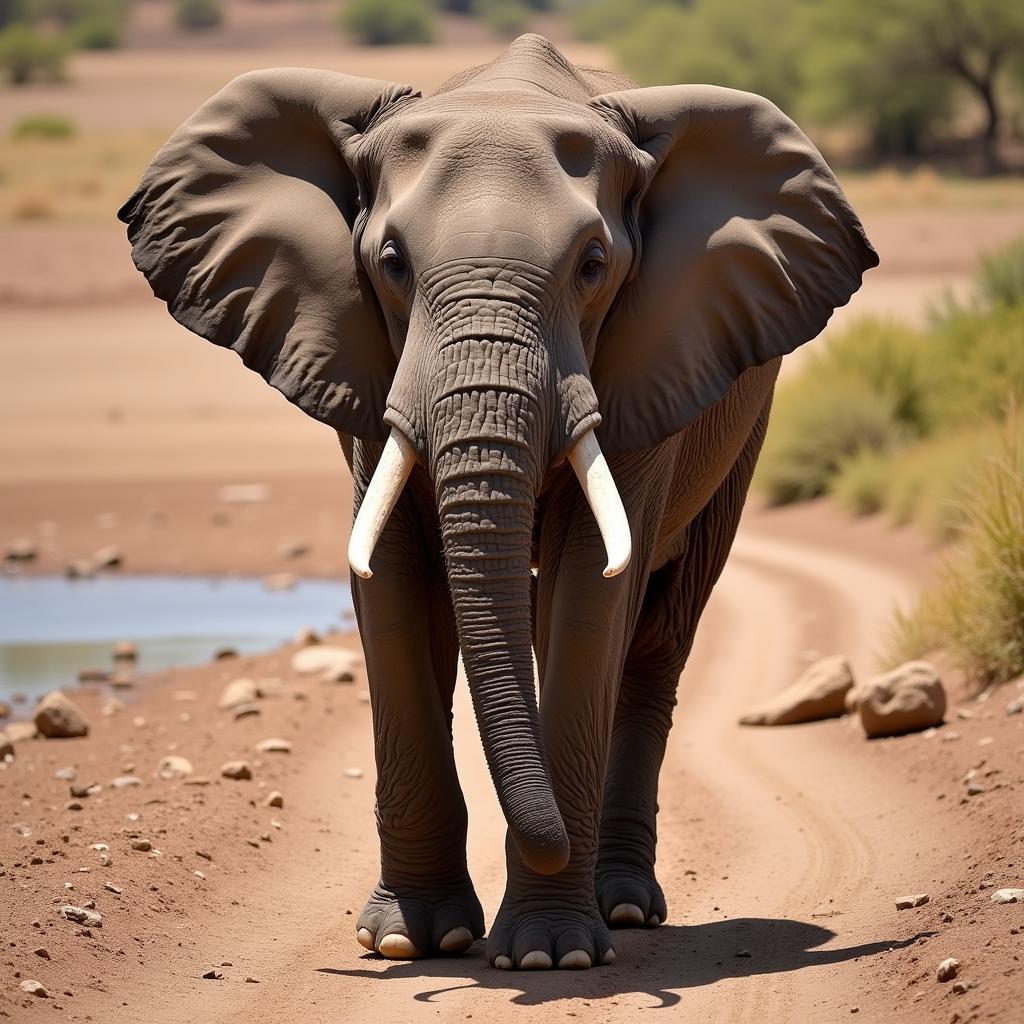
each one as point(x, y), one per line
point(536, 251)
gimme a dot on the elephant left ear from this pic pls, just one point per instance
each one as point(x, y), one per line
point(748, 245)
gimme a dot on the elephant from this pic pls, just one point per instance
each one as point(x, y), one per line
point(544, 310)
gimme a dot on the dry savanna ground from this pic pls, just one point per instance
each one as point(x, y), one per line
point(782, 851)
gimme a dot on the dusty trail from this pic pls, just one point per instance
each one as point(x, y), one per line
point(757, 854)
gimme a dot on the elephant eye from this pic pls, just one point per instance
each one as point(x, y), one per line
point(392, 260)
point(593, 263)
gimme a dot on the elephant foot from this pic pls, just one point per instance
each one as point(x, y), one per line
point(629, 898)
point(559, 935)
point(443, 922)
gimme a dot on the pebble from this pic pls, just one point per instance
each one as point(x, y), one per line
point(245, 711)
point(34, 988)
point(73, 805)
point(274, 799)
point(909, 902)
point(322, 658)
point(353, 773)
point(80, 569)
point(225, 654)
point(125, 781)
point(961, 987)
point(142, 845)
point(110, 887)
point(82, 915)
point(42, 951)
point(125, 650)
point(251, 980)
point(56, 717)
point(308, 637)
point(1015, 707)
point(174, 767)
point(21, 549)
point(946, 971)
point(213, 975)
point(108, 557)
point(18, 731)
point(1008, 896)
point(236, 770)
point(239, 692)
point(274, 745)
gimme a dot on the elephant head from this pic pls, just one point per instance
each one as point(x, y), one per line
point(510, 273)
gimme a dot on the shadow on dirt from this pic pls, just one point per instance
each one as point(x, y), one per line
point(656, 962)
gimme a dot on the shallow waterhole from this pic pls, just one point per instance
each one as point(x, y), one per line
point(51, 627)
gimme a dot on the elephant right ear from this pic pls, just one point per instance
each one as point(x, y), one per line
point(243, 225)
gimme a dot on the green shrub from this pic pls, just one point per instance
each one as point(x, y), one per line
point(862, 482)
point(506, 18)
point(814, 430)
point(43, 126)
point(976, 609)
point(26, 54)
point(100, 30)
point(389, 22)
point(197, 15)
point(999, 280)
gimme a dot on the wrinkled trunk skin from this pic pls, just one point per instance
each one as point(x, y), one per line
point(488, 447)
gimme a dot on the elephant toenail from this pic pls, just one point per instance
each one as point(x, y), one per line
point(398, 947)
point(609, 956)
point(365, 938)
point(535, 960)
point(653, 921)
point(503, 963)
point(626, 915)
point(575, 960)
point(457, 940)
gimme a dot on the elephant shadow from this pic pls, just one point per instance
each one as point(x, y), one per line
point(657, 962)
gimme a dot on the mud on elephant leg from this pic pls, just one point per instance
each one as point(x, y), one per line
point(424, 903)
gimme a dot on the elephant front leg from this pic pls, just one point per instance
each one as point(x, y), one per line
point(424, 902)
point(583, 620)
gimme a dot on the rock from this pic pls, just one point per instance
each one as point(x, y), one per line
point(975, 789)
point(1015, 707)
point(236, 770)
point(22, 549)
point(308, 637)
point(213, 975)
point(80, 569)
point(908, 699)
point(82, 915)
point(238, 691)
point(125, 651)
point(280, 581)
point(273, 746)
point(225, 654)
point(961, 987)
point(73, 805)
point(6, 747)
point(56, 717)
point(110, 887)
point(108, 557)
point(5, 709)
point(243, 494)
point(112, 706)
point(274, 799)
point(81, 792)
point(293, 549)
point(819, 693)
point(245, 711)
point(174, 767)
point(125, 781)
point(353, 773)
point(141, 845)
point(18, 731)
point(65, 774)
point(1008, 896)
point(909, 902)
point(34, 988)
point(42, 951)
point(946, 971)
point(324, 658)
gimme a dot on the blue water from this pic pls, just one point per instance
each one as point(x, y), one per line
point(50, 627)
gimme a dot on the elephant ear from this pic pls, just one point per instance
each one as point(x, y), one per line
point(243, 225)
point(747, 246)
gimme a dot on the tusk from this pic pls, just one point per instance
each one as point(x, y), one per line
point(381, 496)
point(596, 480)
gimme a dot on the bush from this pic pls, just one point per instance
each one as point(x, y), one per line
point(977, 607)
point(100, 30)
point(862, 482)
point(197, 15)
point(389, 22)
point(506, 18)
point(26, 54)
point(43, 126)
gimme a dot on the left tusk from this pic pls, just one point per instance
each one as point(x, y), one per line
point(595, 478)
point(379, 502)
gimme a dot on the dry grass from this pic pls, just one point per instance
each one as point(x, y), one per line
point(925, 188)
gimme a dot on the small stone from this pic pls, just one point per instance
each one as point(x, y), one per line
point(946, 971)
point(225, 654)
point(323, 658)
point(236, 770)
point(353, 773)
point(56, 717)
point(22, 549)
point(1015, 707)
point(743, 954)
point(252, 981)
point(112, 706)
point(308, 637)
point(908, 699)
point(819, 693)
point(198, 873)
point(142, 845)
point(274, 799)
point(204, 854)
point(238, 692)
point(174, 767)
point(80, 569)
point(16, 732)
point(125, 782)
point(274, 745)
point(73, 805)
point(909, 902)
point(255, 843)
point(245, 711)
point(213, 975)
point(1008, 896)
point(975, 789)
point(81, 792)
point(42, 951)
point(34, 988)
point(82, 915)
point(110, 887)
point(108, 557)
point(961, 987)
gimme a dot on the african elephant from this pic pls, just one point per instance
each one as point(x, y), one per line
point(544, 310)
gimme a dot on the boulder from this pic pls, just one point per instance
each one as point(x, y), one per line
point(56, 717)
point(819, 693)
point(908, 699)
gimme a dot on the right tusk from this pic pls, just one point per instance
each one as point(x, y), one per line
point(595, 478)
point(381, 496)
